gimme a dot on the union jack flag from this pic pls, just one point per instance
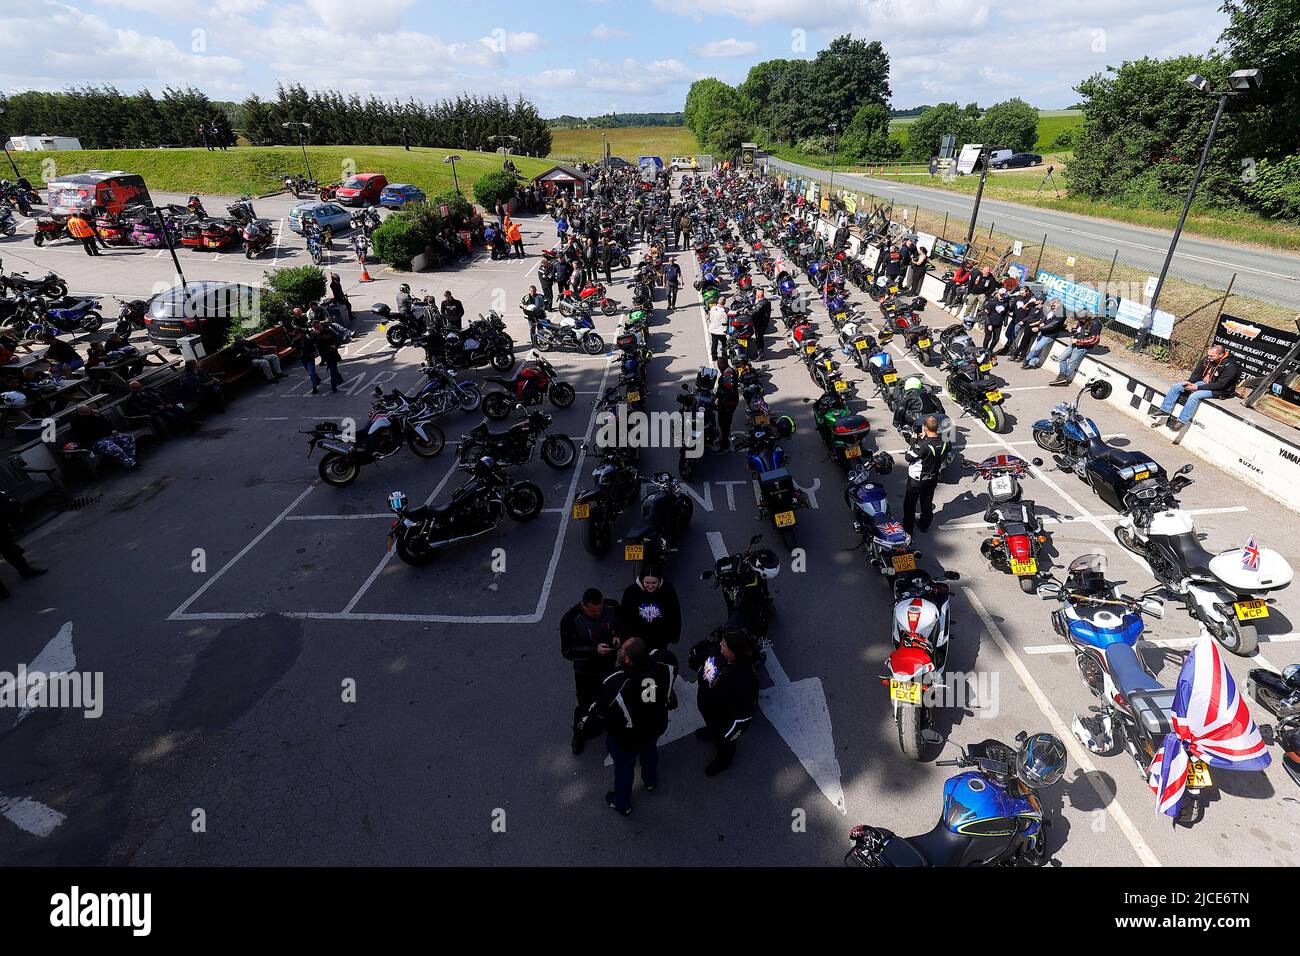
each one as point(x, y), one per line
point(1250, 555)
point(891, 527)
point(1211, 722)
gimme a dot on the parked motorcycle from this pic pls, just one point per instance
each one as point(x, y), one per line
point(888, 547)
point(49, 285)
point(474, 509)
point(394, 421)
point(742, 578)
point(50, 229)
point(666, 512)
point(617, 487)
point(1136, 710)
point(1279, 694)
point(1076, 445)
point(1018, 533)
point(778, 496)
point(130, 316)
point(8, 224)
point(484, 341)
point(528, 387)
point(299, 184)
point(700, 407)
point(978, 392)
point(991, 815)
point(1221, 590)
point(257, 236)
point(573, 330)
point(845, 434)
point(67, 316)
point(917, 665)
point(515, 444)
point(442, 391)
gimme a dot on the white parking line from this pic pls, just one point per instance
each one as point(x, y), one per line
point(1050, 519)
point(359, 517)
point(1109, 798)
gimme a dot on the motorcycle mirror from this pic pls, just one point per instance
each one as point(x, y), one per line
point(952, 575)
point(1185, 470)
point(1099, 389)
point(1153, 606)
point(1048, 589)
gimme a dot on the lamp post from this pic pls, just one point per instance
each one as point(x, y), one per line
point(301, 142)
point(835, 155)
point(1239, 82)
point(452, 159)
point(9, 155)
point(979, 193)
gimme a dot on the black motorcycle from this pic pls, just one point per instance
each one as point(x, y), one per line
point(130, 316)
point(700, 408)
point(977, 391)
point(515, 444)
point(483, 342)
point(618, 486)
point(475, 508)
point(1279, 694)
point(49, 286)
point(743, 578)
point(666, 511)
point(394, 422)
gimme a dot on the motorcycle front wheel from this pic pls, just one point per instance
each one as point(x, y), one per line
point(562, 394)
point(39, 240)
point(426, 448)
point(609, 307)
point(248, 252)
point(523, 501)
point(414, 550)
point(559, 451)
point(1129, 543)
point(1048, 440)
point(338, 470)
point(497, 406)
point(469, 397)
point(593, 344)
point(397, 336)
point(503, 361)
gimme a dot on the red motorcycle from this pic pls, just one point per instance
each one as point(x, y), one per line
point(593, 296)
point(51, 229)
point(114, 230)
point(528, 386)
point(1018, 535)
point(330, 192)
point(219, 234)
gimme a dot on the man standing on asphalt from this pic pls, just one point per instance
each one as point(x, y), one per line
point(83, 232)
point(546, 276)
point(588, 638)
point(762, 319)
point(327, 344)
point(672, 280)
point(562, 273)
point(719, 324)
point(515, 237)
point(981, 287)
point(682, 235)
point(1087, 333)
point(633, 704)
point(727, 693)
point(925, 460)
point(452, 311)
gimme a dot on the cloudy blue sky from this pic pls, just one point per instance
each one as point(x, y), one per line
point(582, 56)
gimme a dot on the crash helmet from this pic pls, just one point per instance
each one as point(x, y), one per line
point(913, 383)
point(1040, 761)
point(766, 563)
point(397, 501)
point(404, 287)
point(784, 426)
point(381, 309)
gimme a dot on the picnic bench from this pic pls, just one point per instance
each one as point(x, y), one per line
point(116, 375)
point(223, 365)
point(26, 485)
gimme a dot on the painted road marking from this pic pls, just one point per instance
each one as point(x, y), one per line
point(1108, 797)
point(1069, 519)
point(30, 816)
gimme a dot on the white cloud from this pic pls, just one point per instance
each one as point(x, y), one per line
point(370, 17)
point(603, 32)
point(503, 41)
point(726, 48)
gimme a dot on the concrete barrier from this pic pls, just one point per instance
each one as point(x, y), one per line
point(1261, 458)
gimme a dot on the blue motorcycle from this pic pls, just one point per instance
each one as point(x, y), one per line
point(991, 814)
point(778, 496)
point(888, 546)
point(67, 316)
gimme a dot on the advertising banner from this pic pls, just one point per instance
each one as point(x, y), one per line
point(1259, 349)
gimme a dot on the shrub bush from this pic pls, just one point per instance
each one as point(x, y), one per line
point(494, 187)
point(397, 241)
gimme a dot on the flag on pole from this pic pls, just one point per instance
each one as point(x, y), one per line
point(1250, 555)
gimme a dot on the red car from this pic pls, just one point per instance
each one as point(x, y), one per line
point(363, 189)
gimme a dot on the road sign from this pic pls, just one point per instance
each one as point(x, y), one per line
point(1150, 289)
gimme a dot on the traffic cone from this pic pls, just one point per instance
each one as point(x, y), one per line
point(365, 276)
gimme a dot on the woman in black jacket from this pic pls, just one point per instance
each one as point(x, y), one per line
point(651, 610)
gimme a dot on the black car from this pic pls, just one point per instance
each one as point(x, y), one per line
point(1019, 161)
point(205, 308)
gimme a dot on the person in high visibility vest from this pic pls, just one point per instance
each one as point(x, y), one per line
point(82, 231)
point(515, 238)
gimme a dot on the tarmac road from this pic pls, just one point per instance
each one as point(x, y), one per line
point(224, 680)
point(1261, 273)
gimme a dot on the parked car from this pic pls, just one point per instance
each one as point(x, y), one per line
point(205, 308)
point(328, 214)
point(1019, 161)
point(684, 162)
point(363, 189)
point(396, 195)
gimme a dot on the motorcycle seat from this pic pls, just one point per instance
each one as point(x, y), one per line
point(1117, 457)
point(939, 847)
point(495, 429)
point(1194, 558)
point(1127, 671)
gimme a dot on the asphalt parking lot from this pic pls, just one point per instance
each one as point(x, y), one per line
point(224, 685)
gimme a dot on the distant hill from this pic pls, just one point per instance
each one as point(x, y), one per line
point(617, 121)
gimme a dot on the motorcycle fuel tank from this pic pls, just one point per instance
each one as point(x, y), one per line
point(977, 806)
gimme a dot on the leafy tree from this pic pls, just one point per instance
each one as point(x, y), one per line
point(717, 115)
point(1013, 123)
point(926, 133)
point(867, 136)
point(1265, 34)
point(494, 187)
point(847, 75)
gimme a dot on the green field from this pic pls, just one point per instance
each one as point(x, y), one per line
point(257, 170)
point(627, 142)
point(1050, 123)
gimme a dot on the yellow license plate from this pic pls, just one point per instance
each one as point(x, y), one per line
point(922, 343)
point(634, 396)
point(1139, 475)
point(905, 692)
point(581, 511)
point(1250, 610)
point(860, 345)
point(1021, 568)
point(904, 562)
point(383, 328)
point(809, 349)
point(853, 451)
point(893, 289)
point(633, 552)
point(744, 343)
point(784, 520)
point(761, 419)
point(889, 378)
point(1198, 775)
point(993, 396)
point(986, 367)
point(840, 385)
